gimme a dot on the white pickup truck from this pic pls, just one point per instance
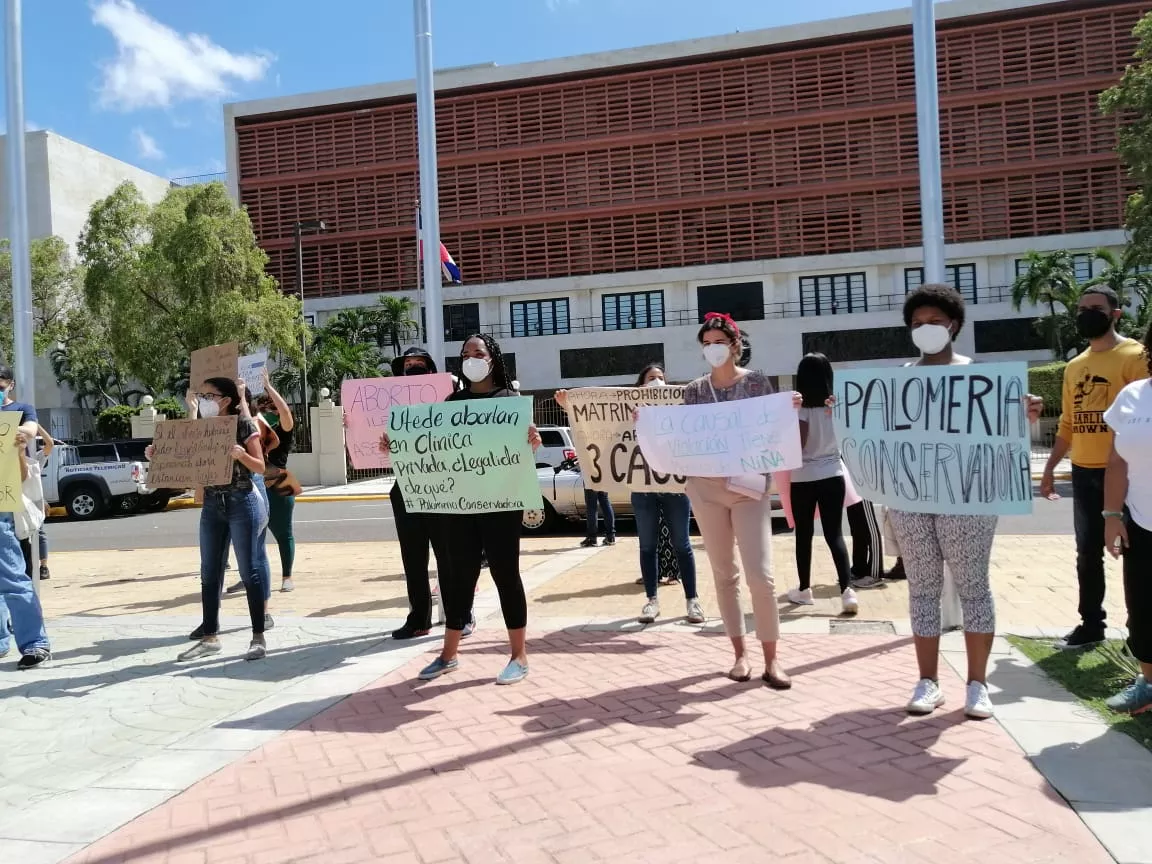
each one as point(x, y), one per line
point(90, 480)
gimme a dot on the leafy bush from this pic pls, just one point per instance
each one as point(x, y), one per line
point(170, 407)
point(1047, 382)
point(115, 422)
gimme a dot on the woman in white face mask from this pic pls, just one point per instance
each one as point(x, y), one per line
point(469, 537)
point(935, 316)
point(728, 517)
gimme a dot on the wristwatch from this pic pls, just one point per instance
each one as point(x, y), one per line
point(1112, 514)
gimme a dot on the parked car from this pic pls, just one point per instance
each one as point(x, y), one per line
point(562, 499)
point(90, 480)
point(555, 446)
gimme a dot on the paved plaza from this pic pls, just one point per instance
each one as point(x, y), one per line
point(625, 743)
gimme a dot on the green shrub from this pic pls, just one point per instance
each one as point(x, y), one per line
point(115, 422)
point(170, 407)
point(1047, 382)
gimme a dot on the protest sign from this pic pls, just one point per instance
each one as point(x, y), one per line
point(605, 435)
point(470, 456)
point(11, 487)
point(722, 439)
point(189, 453)
point(215, 361)
point(252, 368)
point(938, 439)
point(367, 402)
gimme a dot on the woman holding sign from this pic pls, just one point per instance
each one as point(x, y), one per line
point(282, 485)
point(935, 315)
point(729, 516)
point(470, 536)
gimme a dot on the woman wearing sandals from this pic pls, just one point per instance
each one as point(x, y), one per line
point(728, 518)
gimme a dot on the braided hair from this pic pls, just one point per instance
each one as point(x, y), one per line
point(500, 377)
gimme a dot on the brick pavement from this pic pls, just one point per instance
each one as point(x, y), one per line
point(623, 747)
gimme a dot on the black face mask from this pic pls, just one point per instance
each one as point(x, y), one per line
point(416, 370)
point(1093, 323)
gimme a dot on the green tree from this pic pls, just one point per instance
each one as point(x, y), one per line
point(396, 321)
point(1131, 101)
point(356, 325)
point(1050, 281)
point(180, 275)
point(332, 361)
point(84, 362)
point(1121, 274)
point(56, 293)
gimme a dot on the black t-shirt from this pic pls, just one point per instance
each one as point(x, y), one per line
point(278, 456)
point(468, 394)
point(241, 476)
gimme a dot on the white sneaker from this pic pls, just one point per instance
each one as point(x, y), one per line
point(650, 612)
point(978, 705)
point(926, 698)
point(848, 601)
point(800, 598)
point(695, 611)
point(286, 585)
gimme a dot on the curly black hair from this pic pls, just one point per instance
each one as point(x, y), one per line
point(500, 375)
point(644, 372)
point(943, 297)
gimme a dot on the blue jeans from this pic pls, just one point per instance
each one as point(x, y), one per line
point(240, 518)
point(262, 546)
point(593, 498)
point(647, 506)
point(17, 597)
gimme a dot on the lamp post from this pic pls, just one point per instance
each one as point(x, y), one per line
point(312, 226)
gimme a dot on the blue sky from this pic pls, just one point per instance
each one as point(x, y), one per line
point(145, 80)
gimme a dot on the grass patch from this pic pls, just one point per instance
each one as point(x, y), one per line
point(1091, 676)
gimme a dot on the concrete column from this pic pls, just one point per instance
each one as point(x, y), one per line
point(328, 441)
point(144, 424)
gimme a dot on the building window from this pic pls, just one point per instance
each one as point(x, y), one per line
point(633, 311)
point(1082, 267)
point(838, 294)
point(962, 277)
point(609, 361)
point(744, 301)
point(461, 320)
point(540, 318)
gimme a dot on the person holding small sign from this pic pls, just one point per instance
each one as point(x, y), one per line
point(281, 484)
point(935, 315)
point(729, 514)
point(472, 535)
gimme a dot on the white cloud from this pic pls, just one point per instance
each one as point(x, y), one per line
point(146, 146)
point(155, 66)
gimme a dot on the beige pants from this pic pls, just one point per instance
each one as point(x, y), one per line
point(727, 519)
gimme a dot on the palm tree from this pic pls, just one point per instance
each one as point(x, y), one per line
point(1049, 280)
point(396, 320)
point(1122, 275)
point(360, 324)
point(331, 362)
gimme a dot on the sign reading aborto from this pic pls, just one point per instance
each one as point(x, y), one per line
point(952, 440)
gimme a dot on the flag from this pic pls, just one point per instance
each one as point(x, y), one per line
point(448, 267)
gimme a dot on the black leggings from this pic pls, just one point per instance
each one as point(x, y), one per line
point(867, 541)
point(828, 495)
point(416, 531)
point(1138, 591)
point(466, 539)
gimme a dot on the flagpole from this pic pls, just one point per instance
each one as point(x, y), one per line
point(429, 191)
point(421, 321)
point(928, 138)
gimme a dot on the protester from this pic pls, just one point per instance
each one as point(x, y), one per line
point(473, 534)
point(234, 511)
point(867, 544)
point(1091, 382)
point(935, 316)
point(728, 515)
point(594, 500)
point(282, 486)
point(21, 615)
point(1127, 516)
point(417, 531)
point(819, 483)
point(34, 495)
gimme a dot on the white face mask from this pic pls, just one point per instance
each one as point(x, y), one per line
point(475, 369)
point(931, 338)
point(657, 382)
point(209, 408)
point(717, 354)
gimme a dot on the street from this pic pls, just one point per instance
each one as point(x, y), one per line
point(360, 521)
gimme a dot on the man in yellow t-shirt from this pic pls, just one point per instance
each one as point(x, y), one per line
point(1091, 381)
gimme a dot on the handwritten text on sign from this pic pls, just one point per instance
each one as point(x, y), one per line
point(938, 439)
point(469, 456)
point(189, 453)
point(605, 436)
point(11, 489)
point(722, 439)
point(252, 368)
point(367, 402)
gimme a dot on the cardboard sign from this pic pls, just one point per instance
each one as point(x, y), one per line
point(938, 439)
point(367, 403)
point(191, 453)
point(216, 361)
point(470, 456)
point(722, 439)
point(605, 438)
point(11, 487)
point(251, 369)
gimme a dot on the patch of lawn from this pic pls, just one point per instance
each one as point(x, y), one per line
point(1091, 676)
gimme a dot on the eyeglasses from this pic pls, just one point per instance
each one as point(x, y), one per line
point(209, 395)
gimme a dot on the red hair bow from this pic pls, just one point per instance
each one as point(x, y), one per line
point(723, 316)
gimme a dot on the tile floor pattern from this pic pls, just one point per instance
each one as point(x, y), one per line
point(624, 747)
